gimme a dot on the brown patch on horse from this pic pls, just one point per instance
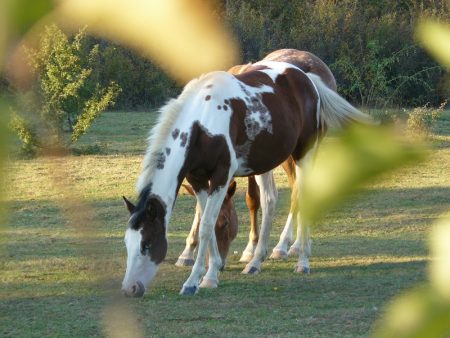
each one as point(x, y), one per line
point(160, 160)
point(175, 133)
point(293, 109)
point(208, 159)
point(149, 216)
point(184, 139)
point(238, 69)
point(254, 78)
point(306, 61)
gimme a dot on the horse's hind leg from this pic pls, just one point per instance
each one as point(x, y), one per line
point(269, 196)
point(302, 245)
point(280, 251)
point(253, 203)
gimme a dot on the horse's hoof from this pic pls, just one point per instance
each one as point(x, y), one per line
point(189, 290)
point(185, 262)
point(246, 257)
point(209, 283)
point(293, 252)
point(278, 254)
point(251, 270)
point(302, 269)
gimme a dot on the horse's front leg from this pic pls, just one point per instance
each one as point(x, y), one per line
point(269, 196)
point(207, 240)
point(187, 256)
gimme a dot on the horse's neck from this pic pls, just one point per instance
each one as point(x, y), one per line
point(165, 173)
point(167, 177)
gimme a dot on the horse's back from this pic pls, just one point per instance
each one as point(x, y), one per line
point(279, 123)
point(306, 61)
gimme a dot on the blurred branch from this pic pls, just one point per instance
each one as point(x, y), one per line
point(425, 312)
point(435, 37)
point(357, 156)
point(181, 35)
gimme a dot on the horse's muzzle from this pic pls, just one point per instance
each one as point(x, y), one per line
point(136, 290)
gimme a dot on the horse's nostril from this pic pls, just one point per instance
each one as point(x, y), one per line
point(138, 289)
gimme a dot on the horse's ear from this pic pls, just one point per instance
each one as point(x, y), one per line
point(189, 189)
point(130, 206)
point(231, 189)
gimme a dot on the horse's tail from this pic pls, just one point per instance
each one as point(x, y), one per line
point(335, 110)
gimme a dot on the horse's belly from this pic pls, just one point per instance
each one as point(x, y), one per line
point(261, 157)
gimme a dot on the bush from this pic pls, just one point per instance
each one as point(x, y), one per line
point(69, 98)
point(420, 120)
point(26, 134)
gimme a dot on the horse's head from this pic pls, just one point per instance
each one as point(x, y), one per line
point(227, 224)
point(145, 239)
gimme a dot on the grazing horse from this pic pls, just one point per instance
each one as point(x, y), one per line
point(309, 63)
point(222, 126)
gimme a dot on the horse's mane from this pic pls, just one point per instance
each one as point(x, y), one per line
point(158, 135)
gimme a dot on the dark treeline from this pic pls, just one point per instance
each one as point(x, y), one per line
point(368, 44)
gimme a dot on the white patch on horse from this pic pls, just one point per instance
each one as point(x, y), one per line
point(139, 267)
point(256, 121)
point(257, 117)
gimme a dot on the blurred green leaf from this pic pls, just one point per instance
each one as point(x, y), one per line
point(420, 313)
point(25, 13)
point(440, 251)
point(424, 312)
point(4, 139)
point(435, 37)
point(356, 156)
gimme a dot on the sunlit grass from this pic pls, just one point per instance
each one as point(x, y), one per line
point(366, 251)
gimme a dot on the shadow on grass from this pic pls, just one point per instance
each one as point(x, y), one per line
point(277, 301)
point(37, 228)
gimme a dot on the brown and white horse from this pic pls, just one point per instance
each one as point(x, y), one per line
point(219, 127)
point(309, 63)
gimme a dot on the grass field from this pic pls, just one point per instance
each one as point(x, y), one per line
point(59, 279)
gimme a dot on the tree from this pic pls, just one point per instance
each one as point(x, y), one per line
point(69, 98)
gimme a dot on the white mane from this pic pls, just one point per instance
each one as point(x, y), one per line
point(158, 135)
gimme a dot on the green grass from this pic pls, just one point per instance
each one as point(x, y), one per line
point(52, 284)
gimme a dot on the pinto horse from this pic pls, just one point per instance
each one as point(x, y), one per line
point(309, 63)
point(224, 125)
